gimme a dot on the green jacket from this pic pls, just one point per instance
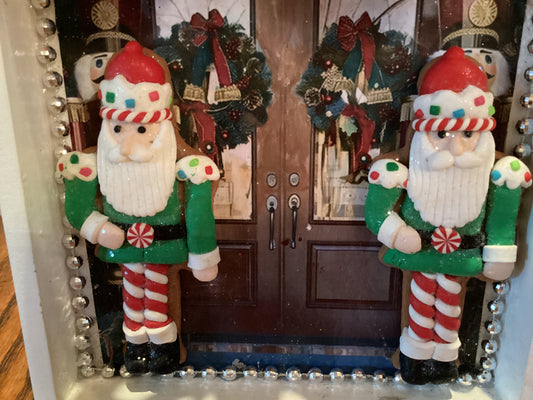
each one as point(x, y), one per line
point(497, 218)
point(197, 238)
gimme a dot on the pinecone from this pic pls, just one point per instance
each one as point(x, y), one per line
point(253, 100)
point(254, 66)
point(398, 59)
point(233, 47)
point(248, 45)
point(312, 97)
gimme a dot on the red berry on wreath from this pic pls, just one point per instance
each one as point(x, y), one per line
point(225, 134)
point(233, 47)
point(244, 82)
point(235, 115)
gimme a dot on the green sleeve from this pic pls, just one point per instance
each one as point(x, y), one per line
point(502, 211)
point(380, 201)
point(199, 218)
point(79, 200)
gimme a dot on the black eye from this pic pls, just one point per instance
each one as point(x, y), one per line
point(117, 128)
point(468, 134)
point(441, 134)
point(488, 59)
point(141, 129)
point(99, 63)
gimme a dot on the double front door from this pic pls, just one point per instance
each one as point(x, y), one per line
point(289, 272)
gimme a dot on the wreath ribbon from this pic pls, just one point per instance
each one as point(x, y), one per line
point(205, 126)
point(348, 32)
point(366, 128)
point(209, 29)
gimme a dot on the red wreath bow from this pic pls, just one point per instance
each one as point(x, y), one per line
point(209, 28)
point(347, 34)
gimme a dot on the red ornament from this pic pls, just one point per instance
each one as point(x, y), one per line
point(445, 240)
point(140, 235)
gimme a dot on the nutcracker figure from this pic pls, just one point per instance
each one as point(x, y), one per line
point(448, 216)
point(156, 202)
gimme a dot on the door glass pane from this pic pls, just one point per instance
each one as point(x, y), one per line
point(233, 199)
point(346, 140)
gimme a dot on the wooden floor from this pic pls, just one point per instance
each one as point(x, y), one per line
point(14, 377)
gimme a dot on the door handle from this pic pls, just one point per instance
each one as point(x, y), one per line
point(271, 205)
point(294, 205)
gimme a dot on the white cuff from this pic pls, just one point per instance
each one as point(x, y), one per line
point(92, 225)
point(497, 253)
point(165, 334)
point(388, 229)
point(414, 349)
point(447, 352)
point(203, 261)
point(136, 337)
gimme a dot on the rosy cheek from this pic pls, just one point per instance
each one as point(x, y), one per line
point(491, 69)
point(95, 73)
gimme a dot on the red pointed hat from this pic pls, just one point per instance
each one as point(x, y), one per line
point(135, 66)
point(134, 88)
point(453, 71)
point(454, 96)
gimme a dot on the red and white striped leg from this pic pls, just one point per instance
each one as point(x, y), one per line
point(159, 326)
point(447, 319)
point(132, 297)
point(416, 341)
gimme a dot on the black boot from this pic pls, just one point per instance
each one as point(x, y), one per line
point(136, 357)
point(442, 372)
point(414, 371)
point(164, 358)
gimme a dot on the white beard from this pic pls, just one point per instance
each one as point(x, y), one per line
point(138, 188)
point(444, 195)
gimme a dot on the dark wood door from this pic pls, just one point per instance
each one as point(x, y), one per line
point(330, 285)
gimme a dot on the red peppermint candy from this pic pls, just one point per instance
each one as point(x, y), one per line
point(445, 240)
point(140, 235)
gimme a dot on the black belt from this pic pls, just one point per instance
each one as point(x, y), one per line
point(161, 232)
point(467, 241)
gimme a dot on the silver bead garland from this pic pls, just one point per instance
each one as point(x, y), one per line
point(293, 375)
point(271, 374)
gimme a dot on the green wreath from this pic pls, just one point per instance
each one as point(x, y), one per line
point(354, 86)
point(242, 103)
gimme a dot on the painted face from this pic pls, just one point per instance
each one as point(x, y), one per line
point(457, 143)
point(98, 64)
point(135, 140)
point(488, 62)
